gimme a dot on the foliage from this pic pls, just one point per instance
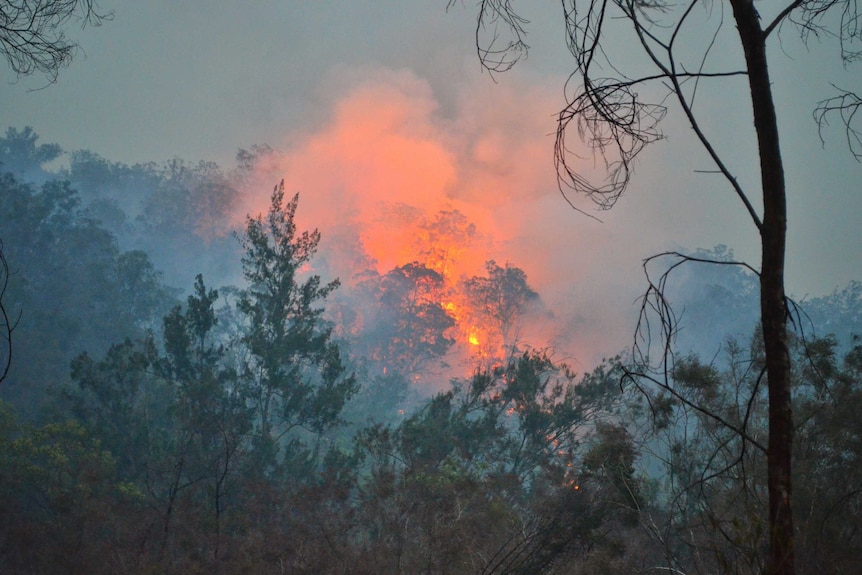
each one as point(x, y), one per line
point(60, 498)
point(710, 447)
point(405, 324)
point(20, 154)
point(73, 287)
point(189, 200)
point(501, 300)
point(208, 436)
point(503, 450)
point(607, 111)
point(293, 373)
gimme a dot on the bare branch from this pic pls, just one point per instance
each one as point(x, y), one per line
point(846, 104)
point(499, 53)
point(635, 376)
point(8, 325)
point(778, 20)
point(676, 78)
point(615, 124)
point(32, 37)
point(654, 301)
point(813, 18)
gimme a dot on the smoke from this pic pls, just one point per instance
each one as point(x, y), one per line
point(388, 173)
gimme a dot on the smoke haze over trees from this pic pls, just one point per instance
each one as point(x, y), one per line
point(273, 417)
point(203, 375)
point(382, 344)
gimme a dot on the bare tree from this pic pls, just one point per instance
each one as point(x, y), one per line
point(32, 37)
point(606, 111)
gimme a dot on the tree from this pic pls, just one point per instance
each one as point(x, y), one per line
point(32, 37)
point(829, 452)
point(709, 460)
point(211, 418)
point(610, 117)
point(443, 239)
point(484, 478)
point(500, 300)
point(75, 289)
point(407, 326)
point(20, 154)
point(60, 499)
point(295, 373)
point(189, 200)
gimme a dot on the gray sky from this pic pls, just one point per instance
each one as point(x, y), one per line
point(199, 80)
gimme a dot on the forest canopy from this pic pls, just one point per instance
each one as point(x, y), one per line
point(230, 406)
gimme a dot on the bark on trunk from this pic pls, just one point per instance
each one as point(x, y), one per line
point(772, 299)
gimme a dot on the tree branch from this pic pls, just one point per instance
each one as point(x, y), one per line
point(8, 326)
point(32, 37)
point(846, 105)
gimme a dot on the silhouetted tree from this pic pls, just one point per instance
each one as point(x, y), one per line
point(711, 462)
point(608, 114)
point(405, 324)
point(501, 300)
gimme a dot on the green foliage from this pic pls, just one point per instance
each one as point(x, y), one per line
point(711, 442)
point(485, 477)
point(59, 498)
point(612, 456)
point(123, 403)
point(73, 286)
point(196, 449)
point(294, 373)
point(178, 423)
point(701, 379)
point(828, 455)
point(210, 439)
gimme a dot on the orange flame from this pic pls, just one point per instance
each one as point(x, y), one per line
point(389, 180)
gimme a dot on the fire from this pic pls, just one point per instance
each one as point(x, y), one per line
point(389, 179)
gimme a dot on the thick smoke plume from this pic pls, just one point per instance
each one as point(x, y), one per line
point(389, 177)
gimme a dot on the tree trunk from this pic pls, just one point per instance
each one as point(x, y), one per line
point(773, 310)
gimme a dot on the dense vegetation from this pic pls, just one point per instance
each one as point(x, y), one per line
point(262, 428)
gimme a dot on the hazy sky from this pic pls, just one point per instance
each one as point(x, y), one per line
point(375, 102)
